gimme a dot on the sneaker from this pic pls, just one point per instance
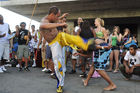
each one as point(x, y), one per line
point(44, 69)
point(18, 65)
point(83, 75)
point(59, 89)
point(48, 71)
point(53, 75)
point(3, 68)
point(1, 71)
point(72, 72)
point(34, 64)
point(8, 65)
point(27, 69)
point(20, 69)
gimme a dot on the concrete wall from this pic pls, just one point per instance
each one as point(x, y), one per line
point(23, 2)
point(138, 34)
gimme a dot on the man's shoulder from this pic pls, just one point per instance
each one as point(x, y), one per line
point(5, 24)
point(128, 53)
point(138, 53)
point(44, 19)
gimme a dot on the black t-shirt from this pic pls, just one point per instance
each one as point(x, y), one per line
point(22, 33)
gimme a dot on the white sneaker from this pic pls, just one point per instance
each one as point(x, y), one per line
point(17, 65)
point(8, 65)
point(34, 64)
point(1, 71)
point(44, 70)
point(3, 68)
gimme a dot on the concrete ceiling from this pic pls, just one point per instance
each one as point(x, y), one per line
point(83, 8)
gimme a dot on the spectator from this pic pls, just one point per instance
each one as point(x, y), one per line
point(115, 40)
point(75, 58)
point(131, 63)
point(4, 41)
point(15, 46)
point(23, 50)
point(86, 32)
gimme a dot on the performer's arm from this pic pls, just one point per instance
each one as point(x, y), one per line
point(64, 15)
point(51, 25)
point(84, 55)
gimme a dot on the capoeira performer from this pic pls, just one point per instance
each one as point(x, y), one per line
point(57, 40)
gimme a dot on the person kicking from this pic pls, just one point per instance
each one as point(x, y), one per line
point(57, 40)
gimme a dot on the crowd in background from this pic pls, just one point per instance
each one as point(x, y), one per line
point(24, 49)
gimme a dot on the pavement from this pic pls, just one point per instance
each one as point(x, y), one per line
point(37, 81)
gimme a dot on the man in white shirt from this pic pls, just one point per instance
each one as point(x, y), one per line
point(4, 43)
point(131, 64)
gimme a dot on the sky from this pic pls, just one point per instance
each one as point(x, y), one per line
point(14, 19)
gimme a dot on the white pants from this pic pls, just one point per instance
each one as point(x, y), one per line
point(4, 51)
point(59, 62)
point(64, 58)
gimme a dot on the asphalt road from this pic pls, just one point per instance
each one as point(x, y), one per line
point(37, 81)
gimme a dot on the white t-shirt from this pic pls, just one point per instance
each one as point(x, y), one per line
point(35, 44)
point(33, 33)
point(76, 29)
point(133, 60)
point(4, 29)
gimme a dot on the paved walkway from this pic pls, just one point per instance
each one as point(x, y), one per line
point(36, 81)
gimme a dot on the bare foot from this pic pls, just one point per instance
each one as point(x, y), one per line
point(110, 87)
point(127, 79)
point(85, 82)
point(116, 71)
point(109, 70)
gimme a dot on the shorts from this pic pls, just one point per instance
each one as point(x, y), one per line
point(115, 48)
point(4, 51)
point(101, 58)
point(48, 52)
point(23, 51)
point(73, 52)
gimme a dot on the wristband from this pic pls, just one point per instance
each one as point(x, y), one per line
point(102, 47)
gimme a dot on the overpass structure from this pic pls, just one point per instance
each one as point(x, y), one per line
point(125, 13)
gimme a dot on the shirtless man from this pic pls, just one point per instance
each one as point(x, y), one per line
point(57, 40)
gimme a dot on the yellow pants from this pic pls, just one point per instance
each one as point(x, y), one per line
point(65, 39)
